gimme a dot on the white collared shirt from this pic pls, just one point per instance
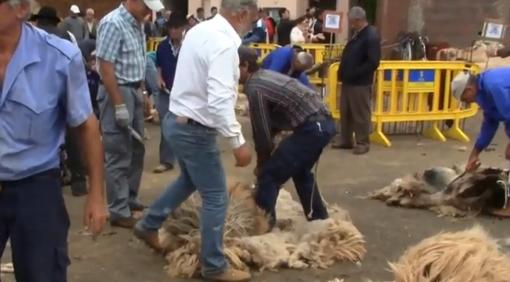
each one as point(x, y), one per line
point(205, 87)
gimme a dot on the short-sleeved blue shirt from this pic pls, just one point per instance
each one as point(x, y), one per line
point(44, 90)
point(280, 60)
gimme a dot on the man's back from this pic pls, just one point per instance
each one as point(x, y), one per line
point(494, 93)
point(201, 45)
point(284, 29)
point(76, 26)
point(285, 96)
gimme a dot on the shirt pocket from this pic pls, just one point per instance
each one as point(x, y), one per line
point(28, 118)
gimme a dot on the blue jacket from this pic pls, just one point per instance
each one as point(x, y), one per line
point(494, 98)
point(280, 60)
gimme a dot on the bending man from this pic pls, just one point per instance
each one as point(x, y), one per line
point(278, 103)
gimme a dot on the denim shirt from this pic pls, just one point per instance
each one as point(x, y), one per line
point(44, 89)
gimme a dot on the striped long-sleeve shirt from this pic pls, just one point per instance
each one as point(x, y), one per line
point(277, 103)
point(121, 41)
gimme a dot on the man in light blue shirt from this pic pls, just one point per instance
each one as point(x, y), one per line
point(120, 49)
point(44, 88)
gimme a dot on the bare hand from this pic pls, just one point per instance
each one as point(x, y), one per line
point(95, 214)
point(472, 164)
point(147, 105)
point(161, 84)
point(242, 155)
point(507, 152)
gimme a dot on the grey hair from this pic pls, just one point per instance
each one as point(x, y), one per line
point(14, 3)
point(236, 5)
point(357, 13)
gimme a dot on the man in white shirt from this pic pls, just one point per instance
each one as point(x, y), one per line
point(201, 105)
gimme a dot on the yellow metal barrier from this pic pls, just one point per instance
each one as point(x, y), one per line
point(153, 42)
point(412, 91)
point(263, 49)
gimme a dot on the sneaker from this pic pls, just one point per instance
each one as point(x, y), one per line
point(229, 275)
point(163, 167)
point(150, 238)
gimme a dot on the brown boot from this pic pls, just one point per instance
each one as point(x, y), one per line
point(126, 222)
point(150, 238)
point(229, 275)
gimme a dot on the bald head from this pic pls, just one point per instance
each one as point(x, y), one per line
point(303, 61)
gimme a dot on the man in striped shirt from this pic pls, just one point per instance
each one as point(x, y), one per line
point(121, 54)
point(277, 103)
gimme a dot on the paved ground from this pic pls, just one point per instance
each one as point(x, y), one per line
point(342, 178)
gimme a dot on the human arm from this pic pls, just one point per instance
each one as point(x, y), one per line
point(303, 78)
point(503, 52)
point(373, 57)
point(159, 62)
point(261, 125)
point(80, 117)
point(487, 132)
point(258, 35)
point(107, 49)
point(221, 94)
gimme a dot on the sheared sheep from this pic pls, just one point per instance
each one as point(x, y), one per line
point(293, 243)
point(468, 256)
point(448, 191)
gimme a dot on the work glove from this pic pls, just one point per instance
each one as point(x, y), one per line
point(122, 115)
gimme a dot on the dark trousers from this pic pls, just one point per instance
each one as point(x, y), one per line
point(75, 163)
point(34, 217)
point(295, 158)
point(355, 114)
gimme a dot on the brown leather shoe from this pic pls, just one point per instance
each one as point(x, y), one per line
point(230, 275)
point(127, 222)
point(150, 238)
point(361, 150)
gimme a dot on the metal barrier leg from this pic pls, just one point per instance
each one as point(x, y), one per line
point(378, 136)
point(456, 133)
point(434, 132)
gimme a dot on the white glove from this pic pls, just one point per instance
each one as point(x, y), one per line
point(122, 115)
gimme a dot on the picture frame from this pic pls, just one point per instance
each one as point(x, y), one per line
point(332, 21)
point(493, 30)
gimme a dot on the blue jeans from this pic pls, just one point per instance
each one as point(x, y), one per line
point(166, 155)
point(33, 215)
point(201, 170)
point(295, 158)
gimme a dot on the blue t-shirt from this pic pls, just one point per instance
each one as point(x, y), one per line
point(280, 60)
point(166, 59)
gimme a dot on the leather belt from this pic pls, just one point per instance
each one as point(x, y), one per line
point(185, 120)
point(318, 117)
point(136, 84)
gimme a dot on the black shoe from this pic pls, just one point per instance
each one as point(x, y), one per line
point(361, 150)
point(343, 146)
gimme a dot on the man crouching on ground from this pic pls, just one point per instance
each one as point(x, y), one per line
point(278, 102)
